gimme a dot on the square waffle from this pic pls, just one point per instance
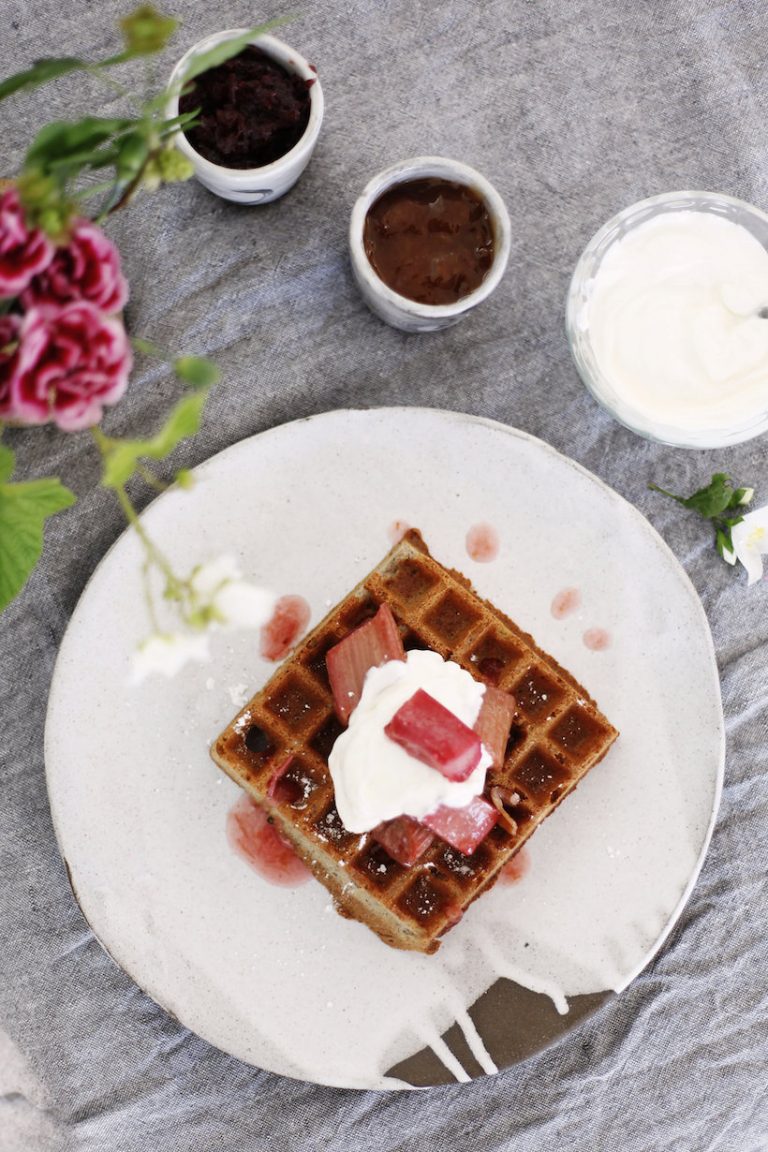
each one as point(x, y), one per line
point(557, 735)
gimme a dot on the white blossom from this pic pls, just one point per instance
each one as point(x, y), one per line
point(206, 579)
point(243, 605)
point(750, 543)
point(236, 602)
point(219, 597)
point(167, 653)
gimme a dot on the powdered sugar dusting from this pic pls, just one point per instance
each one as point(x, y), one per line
point(238, 694)
point(243, 721)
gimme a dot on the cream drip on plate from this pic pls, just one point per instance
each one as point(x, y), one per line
point(675, 324)
point(373, 777)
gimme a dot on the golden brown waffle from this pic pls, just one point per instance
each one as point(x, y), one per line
point(558, 734)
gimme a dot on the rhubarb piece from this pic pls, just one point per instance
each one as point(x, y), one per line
point(369, 646)
point(273, 788)
point(463, 828)
point(431, 733)
point(494, 722)
point(500, 797)
point(404, 838)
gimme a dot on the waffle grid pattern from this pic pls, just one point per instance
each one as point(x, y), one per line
point(557, 736)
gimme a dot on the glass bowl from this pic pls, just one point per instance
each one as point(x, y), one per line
point(626, 221)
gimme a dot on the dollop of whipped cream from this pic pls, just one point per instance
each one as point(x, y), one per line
point(675, 316)
point(373, 777)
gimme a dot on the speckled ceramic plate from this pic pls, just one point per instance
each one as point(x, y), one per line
point(273, 975)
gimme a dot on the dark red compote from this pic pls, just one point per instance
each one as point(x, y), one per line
point(430, 240)
point(252, 111)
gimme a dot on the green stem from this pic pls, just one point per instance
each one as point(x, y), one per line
point(93, 190)
point(111, 61)
point(149, 478)
point(663, 491)
point(154, 555)
point(128, 192)
point(148, 596)
point(141, 344)
point(148, 76)
point(96, 70)
point(153, 552)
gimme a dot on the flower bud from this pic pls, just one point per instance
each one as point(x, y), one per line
point(174, 167)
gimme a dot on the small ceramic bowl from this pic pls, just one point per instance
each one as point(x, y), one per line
point(253, 185)
point(577, 316)
point(400, 311)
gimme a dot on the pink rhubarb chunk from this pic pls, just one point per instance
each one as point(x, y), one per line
point(463, 828)
point(372, 644)
point(494, 722)
point(431, 733)
point(275, 780)
point(404, 838)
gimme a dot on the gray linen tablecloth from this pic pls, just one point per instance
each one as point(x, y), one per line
point(573, 110)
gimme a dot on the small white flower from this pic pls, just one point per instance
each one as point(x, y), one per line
point(167, 653)
point(220, 598)
point(237, 604)
point(242, 605)
point(206, 579)
point(750, 543)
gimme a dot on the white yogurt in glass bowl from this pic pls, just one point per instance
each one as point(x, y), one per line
point(667, 319)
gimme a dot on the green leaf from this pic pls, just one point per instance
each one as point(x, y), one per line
point(204, 61)
point(122, 456)
point(24, 509)
point(40, 73)
point(70, 165)
point(711, 501)
point(723, 543)
point(175, 123)
point(197, 371)
point(185, 479)
point(146, 30)
point(147, 348)
point(133, 151)
point(66, 138)
point(724, 539)
point(7, 462)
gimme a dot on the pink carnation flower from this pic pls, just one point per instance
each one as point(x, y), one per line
point(70, 362)
point(9, 340)
point(87, 268)
point(24, 252)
